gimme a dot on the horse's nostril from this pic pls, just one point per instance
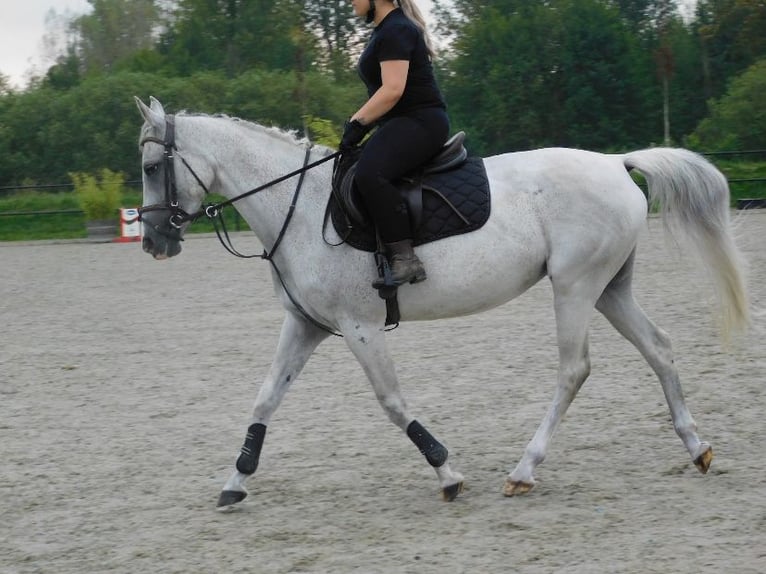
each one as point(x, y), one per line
point(147, 244)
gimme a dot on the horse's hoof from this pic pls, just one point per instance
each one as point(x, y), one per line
point(702, 462)
point(515, 487)
point(449, 493)
point(229, 498)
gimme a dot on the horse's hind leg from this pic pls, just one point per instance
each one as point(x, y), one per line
point(574, 309)
point(297, 342)
point(369, 347)
point(620, 308)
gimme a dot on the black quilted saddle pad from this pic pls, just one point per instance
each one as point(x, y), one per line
point(466, 191)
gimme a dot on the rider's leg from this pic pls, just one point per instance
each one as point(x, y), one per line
point(396, 149)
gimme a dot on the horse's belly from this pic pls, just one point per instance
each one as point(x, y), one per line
point(479, 270)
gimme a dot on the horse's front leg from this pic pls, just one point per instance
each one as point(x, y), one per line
point(297, 342)
point(369, 347)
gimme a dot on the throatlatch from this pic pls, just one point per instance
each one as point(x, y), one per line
point(434, 451)
point(247, 462)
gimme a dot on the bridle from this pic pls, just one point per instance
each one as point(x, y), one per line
point(178, 216)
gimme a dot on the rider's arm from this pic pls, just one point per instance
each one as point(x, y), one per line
point(394, 77)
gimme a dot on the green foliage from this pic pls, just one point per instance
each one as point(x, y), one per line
point(113, 31)
point(91, 125)
point(232, 36)
point(558, 73)
point(38, 200)
point(338, 34)
point(732, 35)
point(686, 92)
point(517, 74)
point(46, 133)
point(49, 215)
point(99, 197)
point(738, 119)
point(322, 132)
point(277, 98)
point(39, 224)
point(58, 215)
point(598, 95)
point(35, 227)
point(746, 177)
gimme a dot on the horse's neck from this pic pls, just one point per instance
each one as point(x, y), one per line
point(247, 157)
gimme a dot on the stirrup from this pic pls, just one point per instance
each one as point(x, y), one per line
point(387, 281)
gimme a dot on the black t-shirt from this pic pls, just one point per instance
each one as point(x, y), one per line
point(398, 38)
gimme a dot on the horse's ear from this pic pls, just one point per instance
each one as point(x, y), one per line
point(152, 116)
point(155, 105)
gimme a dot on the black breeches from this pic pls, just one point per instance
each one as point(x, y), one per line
point(395, 150)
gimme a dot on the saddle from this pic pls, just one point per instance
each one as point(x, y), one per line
point(449, 195)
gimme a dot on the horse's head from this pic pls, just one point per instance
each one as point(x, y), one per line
point(173, 191)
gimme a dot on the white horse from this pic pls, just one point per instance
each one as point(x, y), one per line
point(571, 215)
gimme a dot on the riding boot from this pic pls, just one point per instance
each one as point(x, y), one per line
point(405, 265)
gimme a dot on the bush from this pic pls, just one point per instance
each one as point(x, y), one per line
point(99, 198)
point(322, 131)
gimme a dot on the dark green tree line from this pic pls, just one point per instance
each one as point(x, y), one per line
point(599, 74)
point(561, 73)
point(47, 133)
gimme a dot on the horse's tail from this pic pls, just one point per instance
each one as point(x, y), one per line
point(694, 195)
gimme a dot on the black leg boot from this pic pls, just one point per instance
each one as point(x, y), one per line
point(405, 265)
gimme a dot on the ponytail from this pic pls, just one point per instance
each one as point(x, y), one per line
point(412, 12)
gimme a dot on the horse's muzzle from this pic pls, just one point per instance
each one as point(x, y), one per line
point(159, 246)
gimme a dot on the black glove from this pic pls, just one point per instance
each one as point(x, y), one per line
point(353, 134)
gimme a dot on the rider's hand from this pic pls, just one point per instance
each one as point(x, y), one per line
point(353, 133)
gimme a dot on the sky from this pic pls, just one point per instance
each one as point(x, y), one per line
point(22, 27)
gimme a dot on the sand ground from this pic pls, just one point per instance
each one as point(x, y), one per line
point(125, 387)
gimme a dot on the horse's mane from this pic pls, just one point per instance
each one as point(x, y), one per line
point(289, 136)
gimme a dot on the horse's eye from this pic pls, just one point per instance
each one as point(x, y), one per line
point(151, 168)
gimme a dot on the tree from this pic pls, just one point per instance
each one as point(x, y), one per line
point(454, 16)
point(664, 19)
point(114, 30)
point(636, 12)
point(733, 36)
point(338, 30)
point(603, 88)
point(65, 73)
point(5, 85)
point(557, 73)
point(686, 93)
point(738, 119)
point(516, 74)
point(233, 36)
point(46, 133)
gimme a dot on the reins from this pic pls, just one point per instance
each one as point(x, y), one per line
point(302, 171)
point(214, 211)
point(211, 210)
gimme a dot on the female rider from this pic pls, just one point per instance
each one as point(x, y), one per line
point(407, 107)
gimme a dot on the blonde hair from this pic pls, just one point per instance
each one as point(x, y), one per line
point(412, 12)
